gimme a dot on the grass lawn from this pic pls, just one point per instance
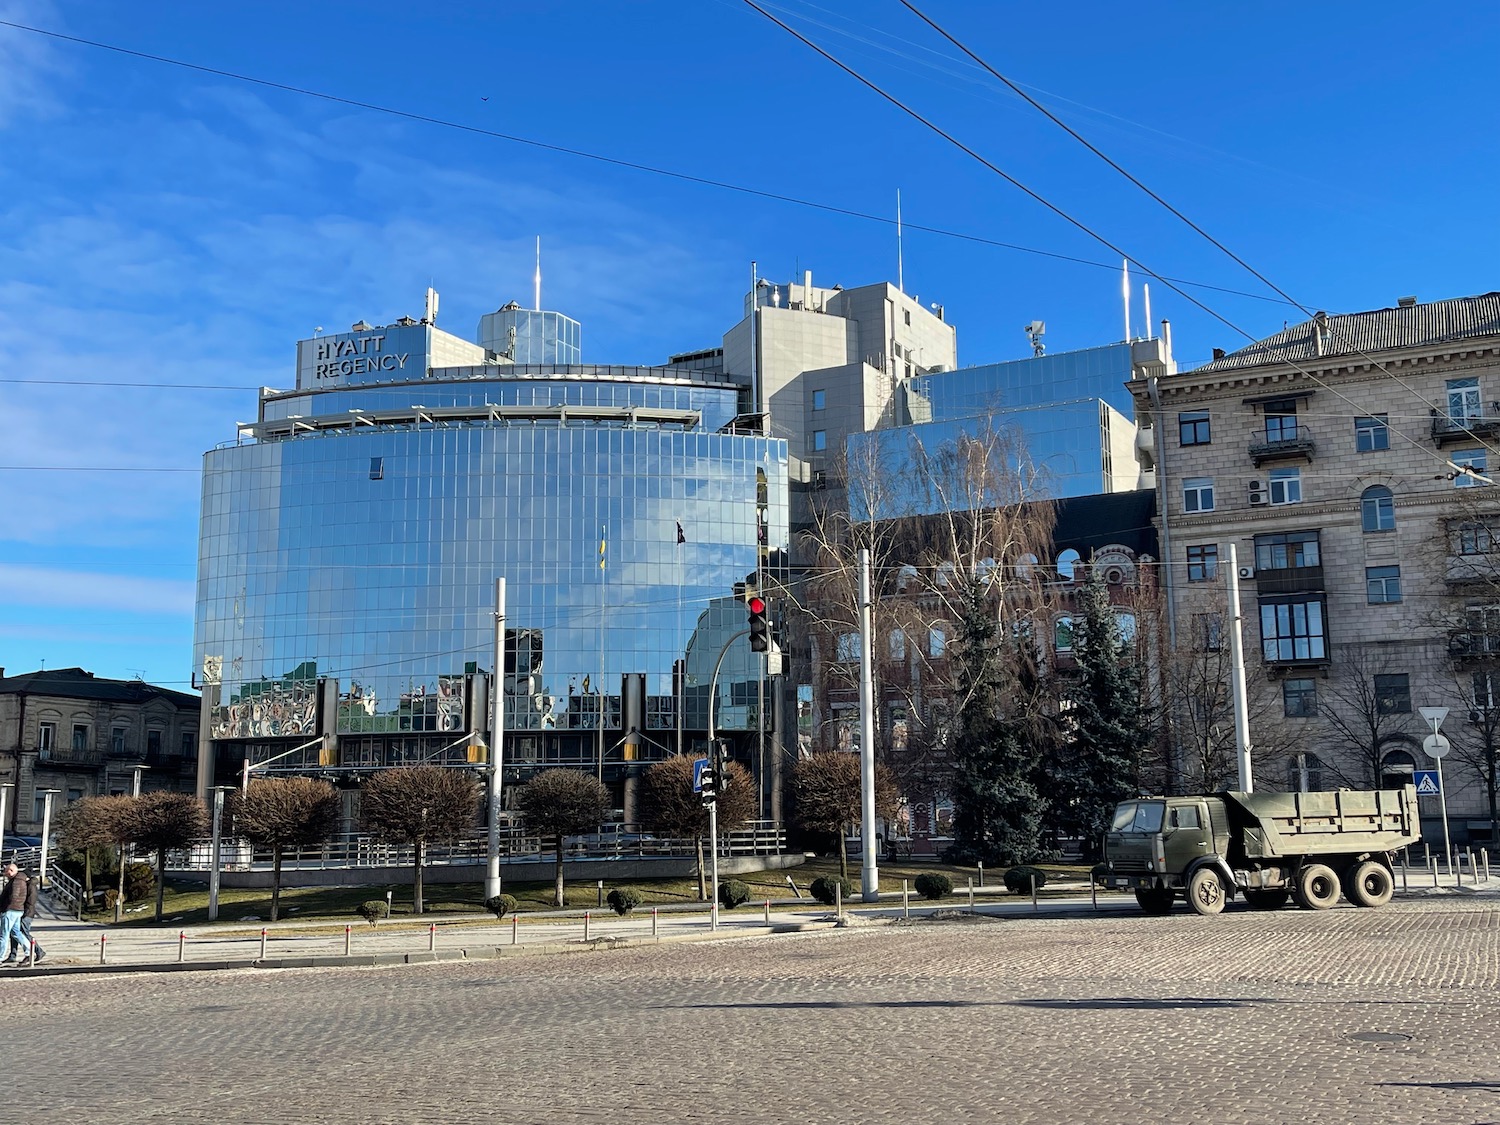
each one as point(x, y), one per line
point(186, 901)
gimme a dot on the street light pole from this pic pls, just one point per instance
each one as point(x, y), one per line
point(135, 784)
point(497, 753)
point(214, 852)
point(5, 788)
point(1437, 748)
point(47, 795)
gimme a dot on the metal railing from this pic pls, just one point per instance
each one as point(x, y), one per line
point(357, 850)
point(64, 891)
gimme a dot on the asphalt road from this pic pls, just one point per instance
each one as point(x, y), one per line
point(1342, 1016)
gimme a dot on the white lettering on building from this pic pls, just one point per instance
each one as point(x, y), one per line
point(356, 356)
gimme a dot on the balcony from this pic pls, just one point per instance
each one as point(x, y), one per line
point(72, 758)
point(1473, 571)
point(1285, 444)
point(1288, 580)
point(1467, 644)
point(1452, 429)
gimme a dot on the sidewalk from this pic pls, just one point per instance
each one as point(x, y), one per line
point(76, 947)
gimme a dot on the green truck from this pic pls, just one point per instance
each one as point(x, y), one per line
point(1269, 847)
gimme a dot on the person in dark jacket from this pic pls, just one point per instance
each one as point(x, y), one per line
point(12, 907)
point(28, 915)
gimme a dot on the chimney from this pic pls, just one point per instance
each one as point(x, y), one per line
point(1320, 332)
point(1218, 354)
point(1407, 302)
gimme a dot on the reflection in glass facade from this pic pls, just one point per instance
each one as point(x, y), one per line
point(1099, 373)
point(352, 539)
point(531, 336)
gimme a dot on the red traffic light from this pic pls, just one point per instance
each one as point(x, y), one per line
point(755, 605)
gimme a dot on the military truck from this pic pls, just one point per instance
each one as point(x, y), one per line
point(1268, 847)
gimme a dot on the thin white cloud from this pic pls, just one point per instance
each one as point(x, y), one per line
point(44, 586)
point(29, 64)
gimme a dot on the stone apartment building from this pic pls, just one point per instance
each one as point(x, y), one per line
point(1345, 458)
point(69, 731)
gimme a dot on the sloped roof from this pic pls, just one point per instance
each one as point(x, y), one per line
point(75, 683)
point(1435, 323)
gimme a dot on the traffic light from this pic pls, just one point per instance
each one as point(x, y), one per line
point(708, 782)
point(760, 628)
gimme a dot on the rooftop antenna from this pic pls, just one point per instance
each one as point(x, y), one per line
point(1125, 292)
point(538, 304)
point(900, 280)
point(1146, 298)
point(432, 305)
point(1034, 332)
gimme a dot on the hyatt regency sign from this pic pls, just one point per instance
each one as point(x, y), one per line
point(379, 355)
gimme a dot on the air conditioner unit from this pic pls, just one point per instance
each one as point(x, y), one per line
point(1476, 715)
point(1247, 572)
point(1258, 493)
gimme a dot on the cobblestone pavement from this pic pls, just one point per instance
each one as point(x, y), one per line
point(1342, 1016)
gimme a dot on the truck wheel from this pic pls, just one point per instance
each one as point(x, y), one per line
point(1155, 900)
point(1266, 899)
point(1369, 884)
point(1205, 892)
point(1317, 886)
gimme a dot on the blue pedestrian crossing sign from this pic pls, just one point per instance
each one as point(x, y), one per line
point(1427, 783)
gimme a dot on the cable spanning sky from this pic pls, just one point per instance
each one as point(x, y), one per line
point(167, 232)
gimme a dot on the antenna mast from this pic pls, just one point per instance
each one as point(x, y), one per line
point(900, 281)
point(538, 302)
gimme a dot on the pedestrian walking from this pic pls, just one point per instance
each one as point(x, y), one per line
point(12, 907)
point(28, 915)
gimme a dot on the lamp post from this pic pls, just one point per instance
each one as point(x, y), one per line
point(1437, 748)
point(214, 853)
point(5, 788)
point(47, 795)
point(135, 782)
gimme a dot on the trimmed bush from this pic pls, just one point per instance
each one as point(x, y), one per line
point(1018, 879)
point(140, 882)
point(622, 900)
point(373, 910)
point(934, 884)
point(500, 905)
point(824, 888)
point(733, 893)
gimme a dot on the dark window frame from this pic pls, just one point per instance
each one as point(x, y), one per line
point(1194, 427)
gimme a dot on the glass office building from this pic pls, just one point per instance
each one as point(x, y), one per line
point(1067, 421)
point(351, 539)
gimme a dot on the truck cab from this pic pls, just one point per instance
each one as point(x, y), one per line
point(1155, 845)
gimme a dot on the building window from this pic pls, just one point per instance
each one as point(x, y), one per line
point(80, 738)
point(38, 807)
point(1377, 508)
point(897, 643)
point(819, 400)
point(153, 743)
point(937, 641)
point(1463, 401)
point(46, 737)
point(1484, 695)
point(848, 648)
point(1126, 624)
point(1475, 539)
point(189, 744)
point(1202, 562)
point(377, 468)
point(1475, 459)
point(1062, 634)
point(1198, 494)
point(1208, 631)
point(1393, 694)
point(1281, 420)
point(1289, 550)
point(1304, 773)
point(1382, 584)
point(1372, 434)
point(1286, 486)
point(1396, 768)
point(117, 740)
point(1067, 564)
point(1293, 630)
point(907, 314)
point(1193, 427)
point(1299, 699)
point(820, 440)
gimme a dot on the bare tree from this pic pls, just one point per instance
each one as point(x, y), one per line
point(420, 805)
point(92, 823)
point(828, 796)
point(160, 822)
point(561, 803)
point(286, 812)
point(669, 806)
point(1364, 711)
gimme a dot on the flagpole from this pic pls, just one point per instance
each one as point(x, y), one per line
point(603, 548)
point(681, 677)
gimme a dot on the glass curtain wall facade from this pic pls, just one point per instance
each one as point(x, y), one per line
point(348, 559)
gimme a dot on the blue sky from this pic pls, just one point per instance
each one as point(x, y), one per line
point(180, 229)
